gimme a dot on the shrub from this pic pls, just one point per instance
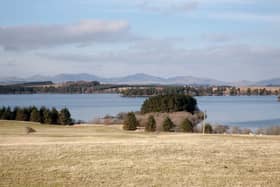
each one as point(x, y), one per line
point(29, 130)
point(274, 130)
point(186, 126)
point(208, 129)
point(65, 117)
point(236, 130)
point(246, 131)
point(130, 122)
point(168, 125)
point(221, 129)
point(151, 124)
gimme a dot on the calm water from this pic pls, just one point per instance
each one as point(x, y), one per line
point(242, 111)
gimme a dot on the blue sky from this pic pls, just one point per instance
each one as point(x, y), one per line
point(228, 40)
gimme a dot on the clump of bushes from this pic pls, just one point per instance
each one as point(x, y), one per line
point(151, 124)
point(186, 125)
point(130, 122)
point(238, 130)
point(220, 129)
point(42, 115)
point(208, 129)
point(274, 130)
point(168, 125)
point(29, 130)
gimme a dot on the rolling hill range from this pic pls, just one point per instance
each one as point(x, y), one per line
point(139, 78)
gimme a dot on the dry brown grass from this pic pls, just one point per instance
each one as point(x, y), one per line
point(108, 156)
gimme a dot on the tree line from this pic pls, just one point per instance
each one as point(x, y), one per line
point(87, 87)
point(79, 87)
point(42, 115)
point(131, 123)
point(197, 91)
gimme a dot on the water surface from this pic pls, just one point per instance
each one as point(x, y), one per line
point(243, 111)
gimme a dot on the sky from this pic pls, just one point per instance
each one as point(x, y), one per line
point(228, 40)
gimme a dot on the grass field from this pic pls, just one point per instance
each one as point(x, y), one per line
point(108, 156)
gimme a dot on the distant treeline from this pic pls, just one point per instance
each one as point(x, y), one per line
point(165, 90)
point(80, 87)
point(198, 91)
point(169, 103)
point(42, 115)
point(85, 87)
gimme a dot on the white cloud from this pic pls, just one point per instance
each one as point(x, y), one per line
point(37, 36)
point(156, 53)
point(156, 57)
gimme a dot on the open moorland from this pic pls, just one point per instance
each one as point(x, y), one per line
point(109, 156)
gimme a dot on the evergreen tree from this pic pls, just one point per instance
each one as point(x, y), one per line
point(54, 116)
point(20, 114)
point(151, 124)
point(7, 113)
point(26, 113)
point(167, 124)
point(1, 112)
point(47, 116)
point(65, 117)
point(208, 129)
point(41, 113)
point(14, 113)
point(130, 122)
point(35, 115)
point(186, 126)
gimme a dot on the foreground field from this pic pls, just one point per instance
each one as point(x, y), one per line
point(108, 156)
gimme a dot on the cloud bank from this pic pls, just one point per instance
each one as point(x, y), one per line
point(85, 32)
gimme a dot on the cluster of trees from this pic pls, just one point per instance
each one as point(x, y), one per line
point(261, 91)
point(169, 103)
point(165, 90)
point(131, 123)
point(42, 115)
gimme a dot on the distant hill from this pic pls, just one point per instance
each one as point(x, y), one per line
point(270, 82)
point(243, 83)
point(195, 81)
point(139, 78)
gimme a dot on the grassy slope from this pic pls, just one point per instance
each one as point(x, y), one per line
point(108, 156)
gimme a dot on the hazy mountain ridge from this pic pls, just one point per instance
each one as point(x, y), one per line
point(139, 78)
